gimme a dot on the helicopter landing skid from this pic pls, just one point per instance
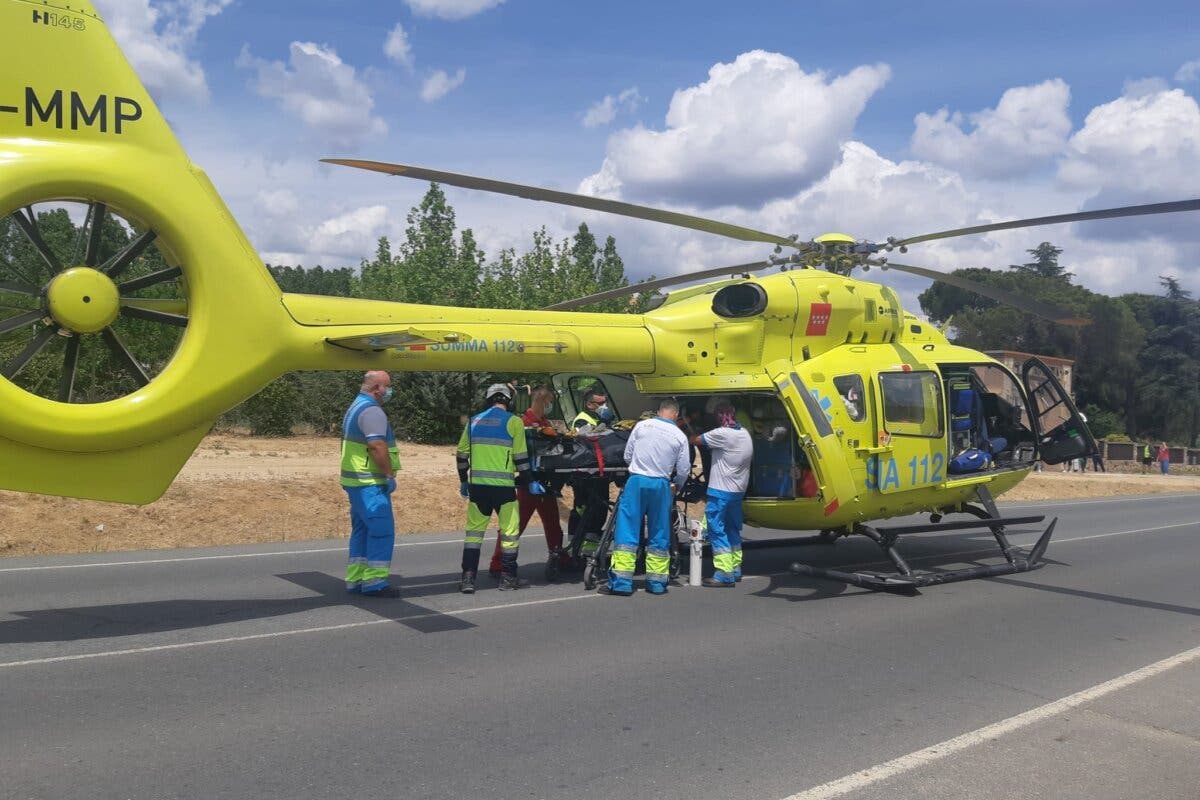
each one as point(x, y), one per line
point(906, 579)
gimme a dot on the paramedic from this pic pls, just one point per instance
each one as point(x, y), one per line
point(657, 454)
point(546, 505)
point(732, 450)
point(590, 492)
point(491, 448)
point(369, 464)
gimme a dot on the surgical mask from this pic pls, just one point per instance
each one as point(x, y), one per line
point(387, 395)
point(605, 414)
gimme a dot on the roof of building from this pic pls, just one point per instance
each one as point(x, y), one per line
point(1053, 360)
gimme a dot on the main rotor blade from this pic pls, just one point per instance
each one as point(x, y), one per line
point(1081, 216)
point(568, 199)
point(657, 283)
point(1036, 307)
point(93, 243)
point(28, 225)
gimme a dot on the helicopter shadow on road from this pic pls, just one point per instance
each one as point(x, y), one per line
point(925, 553)
point(160, 616)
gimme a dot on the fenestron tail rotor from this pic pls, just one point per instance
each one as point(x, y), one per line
point(82, 302)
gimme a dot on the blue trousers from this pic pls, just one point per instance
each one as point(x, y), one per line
point(723, 514)
point(372, 536)
point(649, 498)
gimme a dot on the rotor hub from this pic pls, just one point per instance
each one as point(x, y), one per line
point(83, 300)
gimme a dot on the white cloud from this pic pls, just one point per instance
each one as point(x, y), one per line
point(397, 47)
point(451, 9)
point(1189, 71)
point(156, 40)
point(352, 234)
point(1026, 128)
point(758, 127)
point(320, 89)
point(277, 202)
point(605, 111)
point(1140, 87)
point(440, 83)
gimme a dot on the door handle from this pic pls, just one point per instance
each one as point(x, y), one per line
point(873, 451)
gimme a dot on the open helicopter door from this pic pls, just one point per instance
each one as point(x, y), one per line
point(816, 435)
point(1062, 433)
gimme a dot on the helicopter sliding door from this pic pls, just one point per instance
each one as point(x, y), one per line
point(1062, 433)
point(822, 447)
point(912, 433)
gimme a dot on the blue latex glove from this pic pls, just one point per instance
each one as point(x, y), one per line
point(464, 489)
point(536, 488)
point(391, 485)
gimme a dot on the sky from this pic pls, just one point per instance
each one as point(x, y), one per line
point(868, 118)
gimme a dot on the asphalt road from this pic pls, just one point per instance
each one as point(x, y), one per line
point(245, 672)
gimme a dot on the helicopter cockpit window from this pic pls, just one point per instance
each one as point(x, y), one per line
point(578, 384)
point(912, 403)
point(850, 387)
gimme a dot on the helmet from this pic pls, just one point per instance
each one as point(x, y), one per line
point(502, 389)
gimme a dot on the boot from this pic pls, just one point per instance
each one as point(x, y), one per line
point(510, 581)
point(552, 565)
point(467, 584)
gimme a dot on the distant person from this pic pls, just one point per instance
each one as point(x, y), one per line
point(370, 461)
point(1147, 457)
point(732, 450)
point(1098, 462)
point(1164, 458)
point(657, 455)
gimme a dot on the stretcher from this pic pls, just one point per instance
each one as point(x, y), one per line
point(560, 458)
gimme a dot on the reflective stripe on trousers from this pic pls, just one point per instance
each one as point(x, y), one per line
point(508, 518)
point(723, 513)
point(649, 498)
point(372, 537)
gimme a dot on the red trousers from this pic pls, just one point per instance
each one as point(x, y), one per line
point(546, 506)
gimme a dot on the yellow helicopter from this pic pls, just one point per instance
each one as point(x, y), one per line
point(862, 407)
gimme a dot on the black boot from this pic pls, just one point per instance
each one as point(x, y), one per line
point(467, 584)
point(510, 581)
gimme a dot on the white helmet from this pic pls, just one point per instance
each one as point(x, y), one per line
point(502, 389)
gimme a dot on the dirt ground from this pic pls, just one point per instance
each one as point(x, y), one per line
point(239, 489)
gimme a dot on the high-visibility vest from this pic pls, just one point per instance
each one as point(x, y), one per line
point(493, 446)
point(585, 417)
point(358, 468)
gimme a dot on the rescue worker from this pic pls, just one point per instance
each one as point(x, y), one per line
point(546, 505)
point(590, 506)
point(657, 457)
point(370, 461)
point(732, 451)
point(492, 447)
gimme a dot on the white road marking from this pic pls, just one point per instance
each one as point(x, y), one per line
point(294, 632)
point(341, 549)
point(928, 755)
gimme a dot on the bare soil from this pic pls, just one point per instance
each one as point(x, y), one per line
point(240, 489)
